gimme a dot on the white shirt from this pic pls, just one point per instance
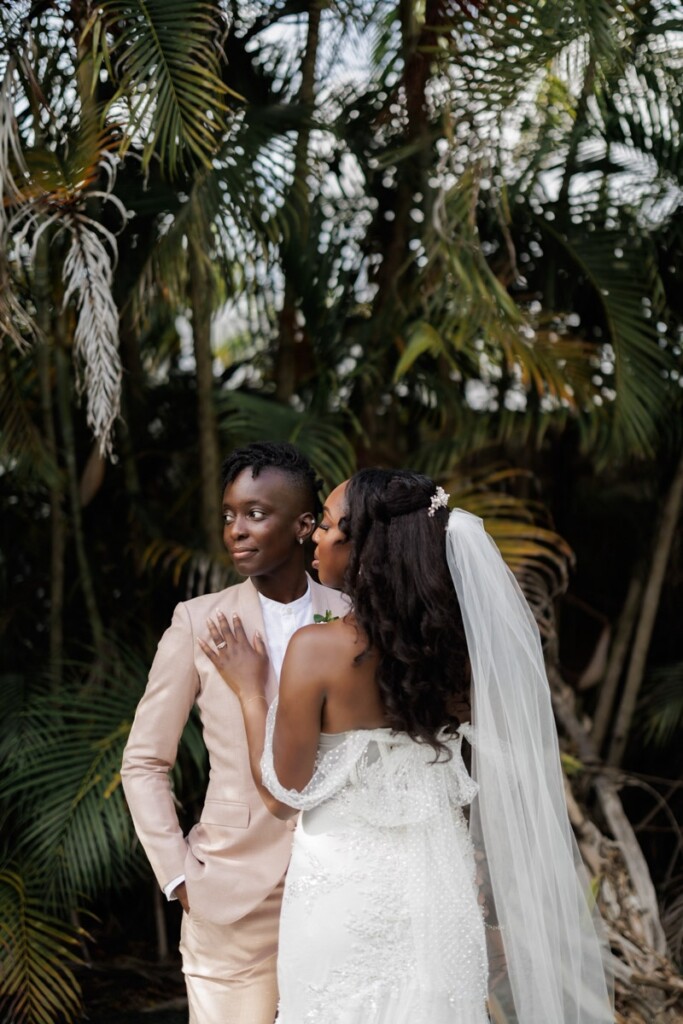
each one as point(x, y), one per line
point(280, 622)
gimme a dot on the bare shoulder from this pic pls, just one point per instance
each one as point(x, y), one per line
point(316, 657)
point(322, 637)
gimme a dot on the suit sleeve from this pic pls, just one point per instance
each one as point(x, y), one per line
point(152, 747)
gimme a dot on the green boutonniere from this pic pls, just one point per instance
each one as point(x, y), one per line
point(327, 617)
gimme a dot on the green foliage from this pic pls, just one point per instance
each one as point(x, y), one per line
point(247, 417)
point(74, 823)
point(622, 272)
point(463, 256)
point(164, 58)
point(68, 796)
point(661, 705)
point(37, 952)
point(71, 833)
point(21, 443)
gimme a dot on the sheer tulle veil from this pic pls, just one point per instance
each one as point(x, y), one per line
point(539, 891)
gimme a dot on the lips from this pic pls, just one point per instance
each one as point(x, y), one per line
point(242, 552)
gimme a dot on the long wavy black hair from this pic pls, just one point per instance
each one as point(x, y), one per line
point(404, 600)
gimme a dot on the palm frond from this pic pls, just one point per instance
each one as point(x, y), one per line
point(241, 206)
point(661, 706)
point(69, 817)
point(522, 529)
point(13, 169)
point(500, 52)
point(54, 199)
point(622, 275)
point(37, 951)
point(73, 819)
point(166, 57)
point(200, 571)
point(470, 319)
point(87, 273)
point(245, 417)
point(15, 321)
point(21, 442)
point(526, 545)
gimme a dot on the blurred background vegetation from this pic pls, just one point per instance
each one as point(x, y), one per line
point(442, 234)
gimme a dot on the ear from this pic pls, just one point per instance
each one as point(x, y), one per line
point(305, 525)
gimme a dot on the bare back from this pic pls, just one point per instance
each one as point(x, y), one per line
point(322, 689)
point(352, 698)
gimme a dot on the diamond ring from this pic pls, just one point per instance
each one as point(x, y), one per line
point(222, 644)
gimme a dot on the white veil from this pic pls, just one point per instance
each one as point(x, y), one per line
point(539, 892)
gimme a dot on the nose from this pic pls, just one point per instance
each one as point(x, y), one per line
point(314, 535)
point(237, 528)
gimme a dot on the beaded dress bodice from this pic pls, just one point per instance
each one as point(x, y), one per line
point(380, 920)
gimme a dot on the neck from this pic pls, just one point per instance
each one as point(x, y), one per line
point(284, 587)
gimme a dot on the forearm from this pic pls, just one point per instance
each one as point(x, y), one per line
point(255, 711)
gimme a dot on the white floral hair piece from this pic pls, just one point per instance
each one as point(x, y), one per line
point(438, 500)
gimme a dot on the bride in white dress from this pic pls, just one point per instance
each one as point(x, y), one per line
point(387, 909)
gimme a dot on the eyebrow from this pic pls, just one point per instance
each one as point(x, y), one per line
point(250, 501)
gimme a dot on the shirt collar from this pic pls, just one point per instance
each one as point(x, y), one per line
point(294, 606)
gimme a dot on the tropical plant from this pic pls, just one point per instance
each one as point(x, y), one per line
point(37, 953)
point(442, 235)
point(62, 804)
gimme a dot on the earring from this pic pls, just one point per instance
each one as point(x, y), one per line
point(301, 540)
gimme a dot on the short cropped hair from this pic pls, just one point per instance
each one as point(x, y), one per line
point(275, 455)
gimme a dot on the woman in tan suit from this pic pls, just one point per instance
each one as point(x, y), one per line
point(228, 871)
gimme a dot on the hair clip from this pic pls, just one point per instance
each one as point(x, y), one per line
point(438, 500)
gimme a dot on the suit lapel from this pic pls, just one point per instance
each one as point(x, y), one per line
point(249, 611)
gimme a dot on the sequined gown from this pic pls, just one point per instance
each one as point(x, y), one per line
point(380, 920)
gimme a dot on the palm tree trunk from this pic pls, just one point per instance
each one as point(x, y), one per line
point(663, 540)
point(617, 659)
point(200, 298)
point(57, 525)
point(44, 302)
point(66, 424)
point(56, 487)
point(132, 407)
point(285, 362)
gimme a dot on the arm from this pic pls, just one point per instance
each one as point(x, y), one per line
point(303, 691)
point(297, 728)
point(151, 750)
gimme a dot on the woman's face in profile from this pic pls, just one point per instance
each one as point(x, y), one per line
point(331, 544)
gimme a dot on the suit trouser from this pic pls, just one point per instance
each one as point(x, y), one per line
point(230, 969)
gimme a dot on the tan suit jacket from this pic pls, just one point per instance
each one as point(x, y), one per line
point(237, 853)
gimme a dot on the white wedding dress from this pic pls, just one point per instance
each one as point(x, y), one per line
point(380, 921)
